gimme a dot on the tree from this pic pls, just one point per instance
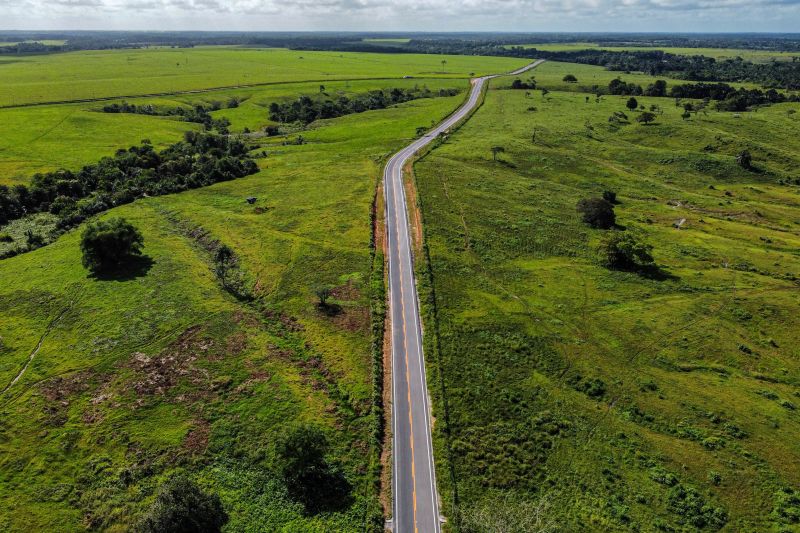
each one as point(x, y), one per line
point(224, 263)
point(622, 250)
point(323, 293)
point(109, 244)
point(597, 212)
point(632, 103)
point(497, 150)
point(745, 160)
point(182, 507)
point(569, 78)
point(610, 197)
point(646, 117)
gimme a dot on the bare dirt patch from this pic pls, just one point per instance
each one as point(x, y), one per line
point(378, 222)
point(196, 440)
point(59, 391)
point(158, 374)
point(386, 452)
point(415, 216)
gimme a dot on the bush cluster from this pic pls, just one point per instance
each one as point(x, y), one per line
point(199, 160)
point(198, 114)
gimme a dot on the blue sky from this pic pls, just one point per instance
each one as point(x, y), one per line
point(408, 15)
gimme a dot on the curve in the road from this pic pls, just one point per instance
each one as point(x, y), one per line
point(415, 500)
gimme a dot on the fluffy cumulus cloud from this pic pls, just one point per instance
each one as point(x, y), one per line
point(424, 15)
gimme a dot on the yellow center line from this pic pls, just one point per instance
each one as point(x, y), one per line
point(405, 349)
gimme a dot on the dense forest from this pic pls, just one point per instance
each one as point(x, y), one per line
point(200, 159)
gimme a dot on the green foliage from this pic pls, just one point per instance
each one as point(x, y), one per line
point(632, 103)
point(110, 245)
point(307, 109)
point(597, 212)
point(624, 251)
point(787, 506)
point(646, 117)
point(744, 160)
point(570, 78)
point(182, 507)
point(693, 509)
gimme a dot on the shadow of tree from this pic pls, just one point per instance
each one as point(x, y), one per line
point(329, 308)
point(322, 491)
point(135, 266)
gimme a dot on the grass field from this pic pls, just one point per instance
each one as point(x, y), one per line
point(756, 56)
point(43, 138)
point(121, 382)
point(101, 74)
point(619, 402)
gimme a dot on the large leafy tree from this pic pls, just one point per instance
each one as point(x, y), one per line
point(108, 245)
point(182, 507)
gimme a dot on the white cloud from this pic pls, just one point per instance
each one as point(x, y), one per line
point(426, 15)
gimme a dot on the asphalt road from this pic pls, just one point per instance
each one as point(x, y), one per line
point(415, 500)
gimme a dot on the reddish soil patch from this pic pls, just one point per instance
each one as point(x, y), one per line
point(353, 319)
point(346, 293)
point(378, 227)
point(196, 440)
point(58, 392)
point(156, 375)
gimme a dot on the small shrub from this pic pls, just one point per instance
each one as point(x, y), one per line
point(610, 197)
point(597, 212)
point(108, 245)
point(622, 250)
point(570, 78)
point(744, 160)
point(692, 508)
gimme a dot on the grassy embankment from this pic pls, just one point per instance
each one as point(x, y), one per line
point(626, 402)
point(131, 379)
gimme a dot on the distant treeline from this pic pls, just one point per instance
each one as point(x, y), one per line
point(779, 74)
point(306, 109)
point(30, 48)
point(198, 114)
point(199, 160)
point(728, 98)
point(472, 43)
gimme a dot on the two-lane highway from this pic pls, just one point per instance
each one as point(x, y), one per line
point(415, 500)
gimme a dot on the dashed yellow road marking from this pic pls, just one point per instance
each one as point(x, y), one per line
point(405, 349)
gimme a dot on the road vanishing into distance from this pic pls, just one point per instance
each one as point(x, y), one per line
point(415, 500)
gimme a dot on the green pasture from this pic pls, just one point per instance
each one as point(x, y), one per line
point(620, 402)
point(109, 73)
point(161, 370)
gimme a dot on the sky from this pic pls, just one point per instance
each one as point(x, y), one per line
point(405, 15)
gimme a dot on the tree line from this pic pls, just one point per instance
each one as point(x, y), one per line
point(728, 98)
point(306, 109)
point(199, 160)
point(777, 74)
point(198, 113)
